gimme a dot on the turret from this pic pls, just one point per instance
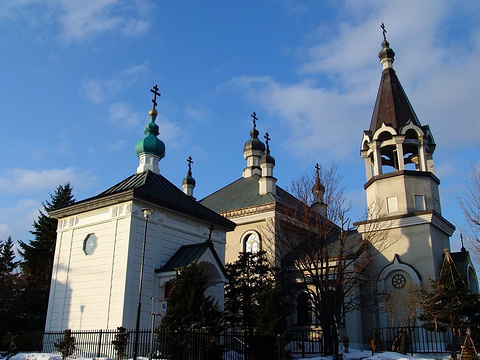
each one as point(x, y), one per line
point(188, 183)
point(253, 151)
point(318, 191)
point(150, 150)
point(267, 183)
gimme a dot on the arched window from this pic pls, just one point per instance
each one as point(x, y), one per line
point(251, 242)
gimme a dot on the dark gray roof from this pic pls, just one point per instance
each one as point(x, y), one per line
point(157, 190)
point(187, 254)
point(392, 106)
point(243, 193)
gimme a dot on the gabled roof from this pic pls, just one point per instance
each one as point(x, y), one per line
point(392, 106)
point(187, 254)
point(157, 190)
point(243, 193)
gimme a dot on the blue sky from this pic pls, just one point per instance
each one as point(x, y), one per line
point(75, 80)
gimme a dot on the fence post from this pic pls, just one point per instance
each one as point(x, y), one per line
point(99, 343)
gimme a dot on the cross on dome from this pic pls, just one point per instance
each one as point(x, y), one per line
point(254, 116)
point(190, 162)
point(384, 31)
point(155, 92)
point(267, 139)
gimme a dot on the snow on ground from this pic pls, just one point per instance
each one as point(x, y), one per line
point(352, 355)
point(367, 355)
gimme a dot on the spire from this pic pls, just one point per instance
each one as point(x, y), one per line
point(253, 151)
point(318, 191)
point(267, 183)
point(463, 247)
point(392, 106)
point(150, 150)
point(189, 182)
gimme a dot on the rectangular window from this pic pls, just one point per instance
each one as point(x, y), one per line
point(419, 202)
point(392, 205)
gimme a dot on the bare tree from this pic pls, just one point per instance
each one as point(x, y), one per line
point(469, 201)
point(328, 260)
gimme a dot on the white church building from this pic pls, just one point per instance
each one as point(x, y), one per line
point(98, 254)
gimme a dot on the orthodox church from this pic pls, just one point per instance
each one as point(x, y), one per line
point(145, 226)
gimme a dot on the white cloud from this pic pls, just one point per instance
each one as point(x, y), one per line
point(93, 90)
point(27, 181)
point(88, 18)
point(196, 112)
point(81, 20)
point(100, 90)
point(121, 114)
point(17, 220)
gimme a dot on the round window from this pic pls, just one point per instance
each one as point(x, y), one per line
point(398, 281)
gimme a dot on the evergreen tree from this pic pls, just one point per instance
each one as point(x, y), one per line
point(449, 301)
point(66, 346)
point(10, 287)
point(38, 257)
point(188, 307)
point(254, 296)
point(120, 342)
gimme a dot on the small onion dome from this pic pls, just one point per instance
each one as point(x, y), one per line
point(189, 180)
point(254, 143)
point(151, 144)
point(386, 52)
point(318, 187)
point(267, 158)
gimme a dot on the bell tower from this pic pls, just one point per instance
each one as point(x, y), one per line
point(401, 187)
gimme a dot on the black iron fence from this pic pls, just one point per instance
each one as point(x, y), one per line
point(419, 339)
point(176, 344)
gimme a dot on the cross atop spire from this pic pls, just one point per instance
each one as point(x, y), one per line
point(190, 162)
point(463, 247)
point(317, 169)
point(384, 31)
point(155, 92)
point(254, 116)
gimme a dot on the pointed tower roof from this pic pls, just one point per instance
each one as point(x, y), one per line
point(392, 106)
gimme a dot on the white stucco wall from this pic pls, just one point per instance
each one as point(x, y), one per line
point(100, 291)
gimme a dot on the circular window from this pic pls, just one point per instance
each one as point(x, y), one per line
point(398, 281)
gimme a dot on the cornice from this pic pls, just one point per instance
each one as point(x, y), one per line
point(419, 218)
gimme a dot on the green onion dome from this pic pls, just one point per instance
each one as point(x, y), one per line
point(151, 144)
